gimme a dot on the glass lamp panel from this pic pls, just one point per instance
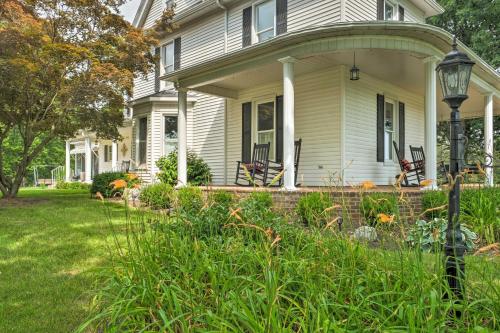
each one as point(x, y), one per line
point(464, 71)
point(441, 81)
point(450, 74)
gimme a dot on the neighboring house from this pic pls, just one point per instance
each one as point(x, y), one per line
point(240, 72)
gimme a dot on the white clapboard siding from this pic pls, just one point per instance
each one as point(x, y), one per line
point(317, 122)
point(412, 13)
point(208, 134)
point(360, 10)
point(307, 13)
point(105, 166)
point(181, 5)
point(361, 129)
point(144, 85)
point(155, 12)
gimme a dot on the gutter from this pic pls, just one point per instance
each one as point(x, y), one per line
point(226, 22)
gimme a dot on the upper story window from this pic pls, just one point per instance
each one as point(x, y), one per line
point(390, 11)
point(167, 57)
point(264, 24)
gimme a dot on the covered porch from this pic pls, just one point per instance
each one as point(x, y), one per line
point(347, 126)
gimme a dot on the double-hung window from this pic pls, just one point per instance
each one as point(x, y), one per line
point(390, 11)
point(167, 57)
point(389, 129)
point(266, 125)
point(170, 135)
point(108, 151)
point(142, 140)
point(265, 20)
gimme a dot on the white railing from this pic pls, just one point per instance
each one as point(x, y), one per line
point(58, 174)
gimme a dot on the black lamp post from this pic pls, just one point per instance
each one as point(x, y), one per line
point(454, 74)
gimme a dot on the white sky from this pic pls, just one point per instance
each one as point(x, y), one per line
point(128, 10)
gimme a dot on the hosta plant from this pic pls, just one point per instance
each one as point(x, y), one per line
point(431, 236)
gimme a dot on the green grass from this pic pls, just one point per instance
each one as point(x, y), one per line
point(51, 244)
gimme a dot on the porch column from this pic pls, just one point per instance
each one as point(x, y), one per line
point(88, 160)
point(68, 162)
point(288, 123)
point(430, 122)
point(114, 155)
point(488, 137)
point(182, 138)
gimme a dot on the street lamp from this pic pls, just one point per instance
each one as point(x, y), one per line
point(454, 75)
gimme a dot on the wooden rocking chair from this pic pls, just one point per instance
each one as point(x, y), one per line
point(257, 169)
point(275, 168)
point(412, 175)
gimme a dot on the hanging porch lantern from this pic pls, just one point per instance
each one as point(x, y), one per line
point(354, 70)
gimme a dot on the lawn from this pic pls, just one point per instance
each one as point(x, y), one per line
point(51, 244)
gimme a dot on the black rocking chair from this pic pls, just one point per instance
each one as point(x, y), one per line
point(413, 175)
point(418, 157)
point(275, 168)
point(257, 169)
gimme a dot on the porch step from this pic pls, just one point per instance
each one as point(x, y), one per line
point(143, 175)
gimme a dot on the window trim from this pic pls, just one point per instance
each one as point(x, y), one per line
point(395, 15)
point(163, 55)
point(255, 123)
point(138, 141)
point(108, 153)
point(395, 128)
point(255, 35)
point(163, 152)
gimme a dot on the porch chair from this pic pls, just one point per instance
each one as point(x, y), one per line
point(412, 174)
point(418, 157)
point(276, 167)
point(257, 168)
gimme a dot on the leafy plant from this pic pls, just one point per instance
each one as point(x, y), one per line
point(481, 210)
point(431, 236)
point(431, 201)
point(198, 171)
point(375, 205)
point(102, 183)
point(157, 196)
point(189, 200)
point(312, 208)
point(72, 186)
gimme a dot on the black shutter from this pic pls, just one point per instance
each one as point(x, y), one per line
point(380, 10)
point(279, 129)
point(247, 26)
point(380, 127)
point(402, 129)
point(281, 16)
point(105, 153)
point(246, 132)
point(401, 13)
point(157, 69)
point(177, 53)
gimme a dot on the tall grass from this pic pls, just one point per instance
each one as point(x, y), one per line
point(240, 267)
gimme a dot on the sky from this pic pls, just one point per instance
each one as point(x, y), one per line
point(128, 10)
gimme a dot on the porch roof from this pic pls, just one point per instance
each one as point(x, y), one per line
point(404, 36)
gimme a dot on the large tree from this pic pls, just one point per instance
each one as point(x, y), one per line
point(65, 65)
point(475, 23)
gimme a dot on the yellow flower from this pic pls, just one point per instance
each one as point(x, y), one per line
point(426, 182)
point(384, 218)
point(131, 176)
point(366, 185)
point(118, 184)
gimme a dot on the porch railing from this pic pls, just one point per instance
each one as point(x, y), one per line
point(58, 174)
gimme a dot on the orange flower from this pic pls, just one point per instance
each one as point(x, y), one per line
point(384, 218)
point(136, 186)
point(118, 184)
point(131, 176)
point(366, 185)
point(426, 182)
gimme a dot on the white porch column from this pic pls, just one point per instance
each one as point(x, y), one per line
point(288, 123)
point(182, 138)
point(88, 160)
point(430, 121)
point(114, 156)
point(488, 137)
point(68, 162)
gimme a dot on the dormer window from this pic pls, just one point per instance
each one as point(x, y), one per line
point(264, 24)
point(167, 58)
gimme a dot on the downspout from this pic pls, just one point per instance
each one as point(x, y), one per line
point(226, 22)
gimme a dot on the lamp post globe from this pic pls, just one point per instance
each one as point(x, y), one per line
point(454, 75)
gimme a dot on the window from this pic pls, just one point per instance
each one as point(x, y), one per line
point(389, 121)
point(108, 151)
point(142, 140)
point(266, 126)
point(390, 11)
point(167, 57)
point(264, 24)
point(170, 135)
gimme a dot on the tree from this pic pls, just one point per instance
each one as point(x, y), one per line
point(65, 65)
point(475, 23)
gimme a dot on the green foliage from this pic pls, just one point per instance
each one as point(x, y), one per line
point(157, 196)
point(102, 183)
point(431, 236)
point(189, 200)
point(372, 205)
point(258, 208)
point(312, 209)
point(479, 209)
point(198, 171)
point(72, 186)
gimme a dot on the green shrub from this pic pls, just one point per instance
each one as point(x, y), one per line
point(432, 200)
point(378, 203)
point(312, 209)
point(221, 199)
point(157, 196)
point(257, 207)
point(198, 171)
point(189, 200)
point(431, 236)
point(101, 183)
point(72, 186)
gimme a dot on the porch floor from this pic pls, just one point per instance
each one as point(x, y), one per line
point(307, 189)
